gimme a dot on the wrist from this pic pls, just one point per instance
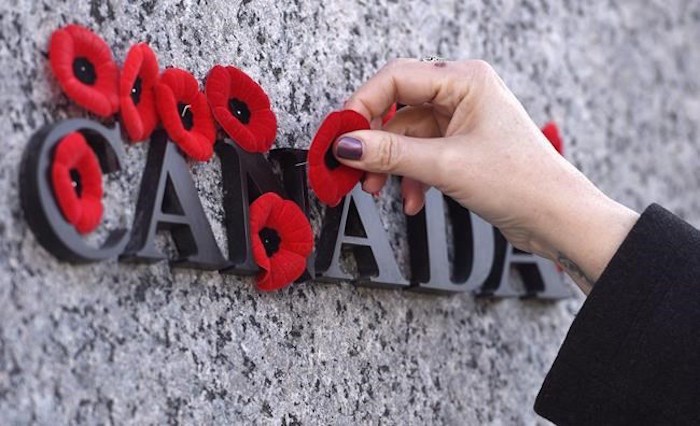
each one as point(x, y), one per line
point(583, 231)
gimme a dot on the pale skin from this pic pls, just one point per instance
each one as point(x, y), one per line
point(464, 132)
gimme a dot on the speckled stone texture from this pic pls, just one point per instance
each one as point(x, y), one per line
point(144, 344)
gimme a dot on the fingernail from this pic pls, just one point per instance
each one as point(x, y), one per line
point(349, 148)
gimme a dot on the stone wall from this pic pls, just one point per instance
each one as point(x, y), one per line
point(147, 344)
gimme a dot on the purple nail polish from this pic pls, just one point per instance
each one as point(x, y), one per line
point(349, 148)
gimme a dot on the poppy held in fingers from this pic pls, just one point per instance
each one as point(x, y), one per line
point(281, 239)
point(76, 179)
point(83, 64)
point(137, 92)
point(551, 132)
point(185, 114)
point(330, 179)
point(242, 108)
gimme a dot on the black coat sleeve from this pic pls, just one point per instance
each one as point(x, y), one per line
point(632, 355)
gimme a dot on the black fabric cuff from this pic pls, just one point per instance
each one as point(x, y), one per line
point(616, 365)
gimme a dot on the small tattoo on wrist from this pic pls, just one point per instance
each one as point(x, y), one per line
point(575, 271)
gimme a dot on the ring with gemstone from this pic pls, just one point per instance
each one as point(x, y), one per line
point(432, 59)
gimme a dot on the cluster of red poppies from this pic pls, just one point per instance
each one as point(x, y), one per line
point(82, 62)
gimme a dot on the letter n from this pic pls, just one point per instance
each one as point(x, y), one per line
point(245, 177)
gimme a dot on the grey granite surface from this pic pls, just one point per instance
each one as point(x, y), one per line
point(111, 343)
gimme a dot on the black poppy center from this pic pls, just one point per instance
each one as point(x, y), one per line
point(84, 70)
point(271, 240)
point(185, 115)
point(330, 160)
point(77, 181)
point(239, 110)
point(136, 91)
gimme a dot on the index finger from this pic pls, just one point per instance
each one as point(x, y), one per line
point(413, 82)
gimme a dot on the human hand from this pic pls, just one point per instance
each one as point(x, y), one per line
point(464, 132)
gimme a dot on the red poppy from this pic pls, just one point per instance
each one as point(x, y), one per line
point(76, 178)
point(389, 114)
point(551, 132)
point(242, 108)
point(185, 114)
point(137, 92)
point(330, 179)
point(83, 65)
point(282, 239)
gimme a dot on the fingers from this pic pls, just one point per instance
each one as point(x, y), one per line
point(384, 152)
point(412, 82)
point(410, 121)
point(374, 182)
point(413, 193)
point(433, 91)
point(418, 121)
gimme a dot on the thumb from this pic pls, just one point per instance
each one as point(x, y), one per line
point(384, 152)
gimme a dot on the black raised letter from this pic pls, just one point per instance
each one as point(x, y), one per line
point(355, 222)
point(168, 200)
point(539, 275)
point(36, 194)
point(292, 162)
point(472, 239)
point(245, 176)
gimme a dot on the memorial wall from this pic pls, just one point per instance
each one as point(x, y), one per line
point(150, 307)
